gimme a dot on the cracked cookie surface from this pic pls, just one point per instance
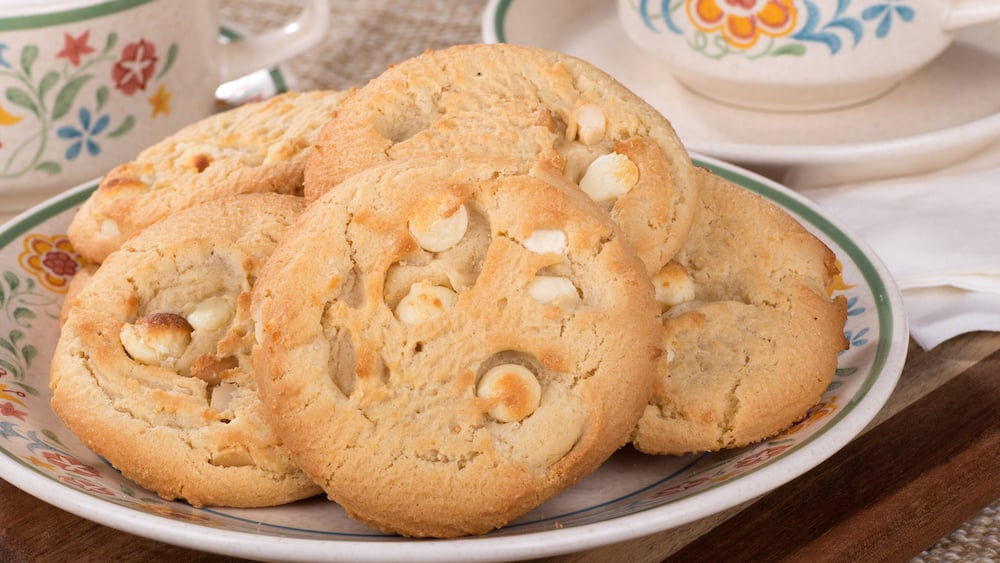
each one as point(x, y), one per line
point(152, 369)
point(530, 105)
point(751, 333)
point(446, 343)
point(257, 147)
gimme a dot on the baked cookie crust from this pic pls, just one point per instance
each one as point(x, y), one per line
point(531, 105)
point(152, 370)
point(750, 331)
point(253, 148)
point(446, 343)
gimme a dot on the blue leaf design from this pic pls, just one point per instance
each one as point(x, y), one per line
point(884, 27)
point(812, 16)
point(830, 40)
point(905, 13)
point(873, 12)
point(853, 26)
point(644, 13)
point(74, 150)
point(101, 125)
point(93, 148)
point(9, 430)
point(85, 119)
point(809, 33)
point(67, 132)
point(667, 18)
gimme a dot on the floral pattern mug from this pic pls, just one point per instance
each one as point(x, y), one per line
point(797, 54)
point(86, 84)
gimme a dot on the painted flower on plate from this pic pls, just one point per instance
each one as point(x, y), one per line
point(743, 22)
point(70, 464)
point(8, 409)
point(761, 456)
point(135, 67)
point(86, 485)
point(50, 259)
point(84, 135)
point(75, 47)
point(160, 101)
point(10, 395)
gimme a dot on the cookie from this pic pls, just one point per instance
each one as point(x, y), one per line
point(257, 147)
point(76, 285)
point(446, 343)
point(152, 370)
point(531, 105)
point(751, 333)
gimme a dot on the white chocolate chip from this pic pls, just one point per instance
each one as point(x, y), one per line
point(110, 229)
point(609, 177)
point(591, 124)
point(424, 302)
point(512, 389)
point(546, 241)
point(556, 290)
point(673, 285)
point(443, 233)
point(670, 355)
point(211, 314)
point(222, 396)
point(156, 339)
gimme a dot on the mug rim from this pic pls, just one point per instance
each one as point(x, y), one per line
point(40, 19)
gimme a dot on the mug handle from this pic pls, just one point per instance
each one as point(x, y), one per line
point(246, 55)
point(965, 13)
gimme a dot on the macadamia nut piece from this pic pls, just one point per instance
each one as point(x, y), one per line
point(424, 302)
point(556, 290)
point(673, 285)
point(546, 241)
point(156, 339)
point(609, 177)
point(443, 233)
point(512, 389)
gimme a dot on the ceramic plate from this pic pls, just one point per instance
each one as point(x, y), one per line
point(947, 112)
point(629, 496)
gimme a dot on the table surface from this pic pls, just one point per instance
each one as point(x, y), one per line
point(928, 464)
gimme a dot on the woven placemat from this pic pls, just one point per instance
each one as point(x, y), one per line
point(368, 35)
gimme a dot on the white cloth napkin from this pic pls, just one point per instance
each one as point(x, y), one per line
point(939, 236)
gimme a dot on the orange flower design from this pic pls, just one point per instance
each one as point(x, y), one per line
point(742, 22)
point(838, 283)
point(51, 259)
point(816, 413)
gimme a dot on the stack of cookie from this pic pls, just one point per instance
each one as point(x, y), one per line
point(497, 267)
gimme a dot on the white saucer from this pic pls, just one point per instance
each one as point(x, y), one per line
point(947, 112)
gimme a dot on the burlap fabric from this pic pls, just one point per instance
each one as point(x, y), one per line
point(368, 35)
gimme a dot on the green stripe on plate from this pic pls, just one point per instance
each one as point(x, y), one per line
point(35, 21)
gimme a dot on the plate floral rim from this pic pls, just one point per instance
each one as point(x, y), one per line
point(888, 351)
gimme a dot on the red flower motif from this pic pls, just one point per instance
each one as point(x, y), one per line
point(87, 486)
point(135, 67)
point(74, 47)
point(763, 455)
point(70, 464)
point(8, 409)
